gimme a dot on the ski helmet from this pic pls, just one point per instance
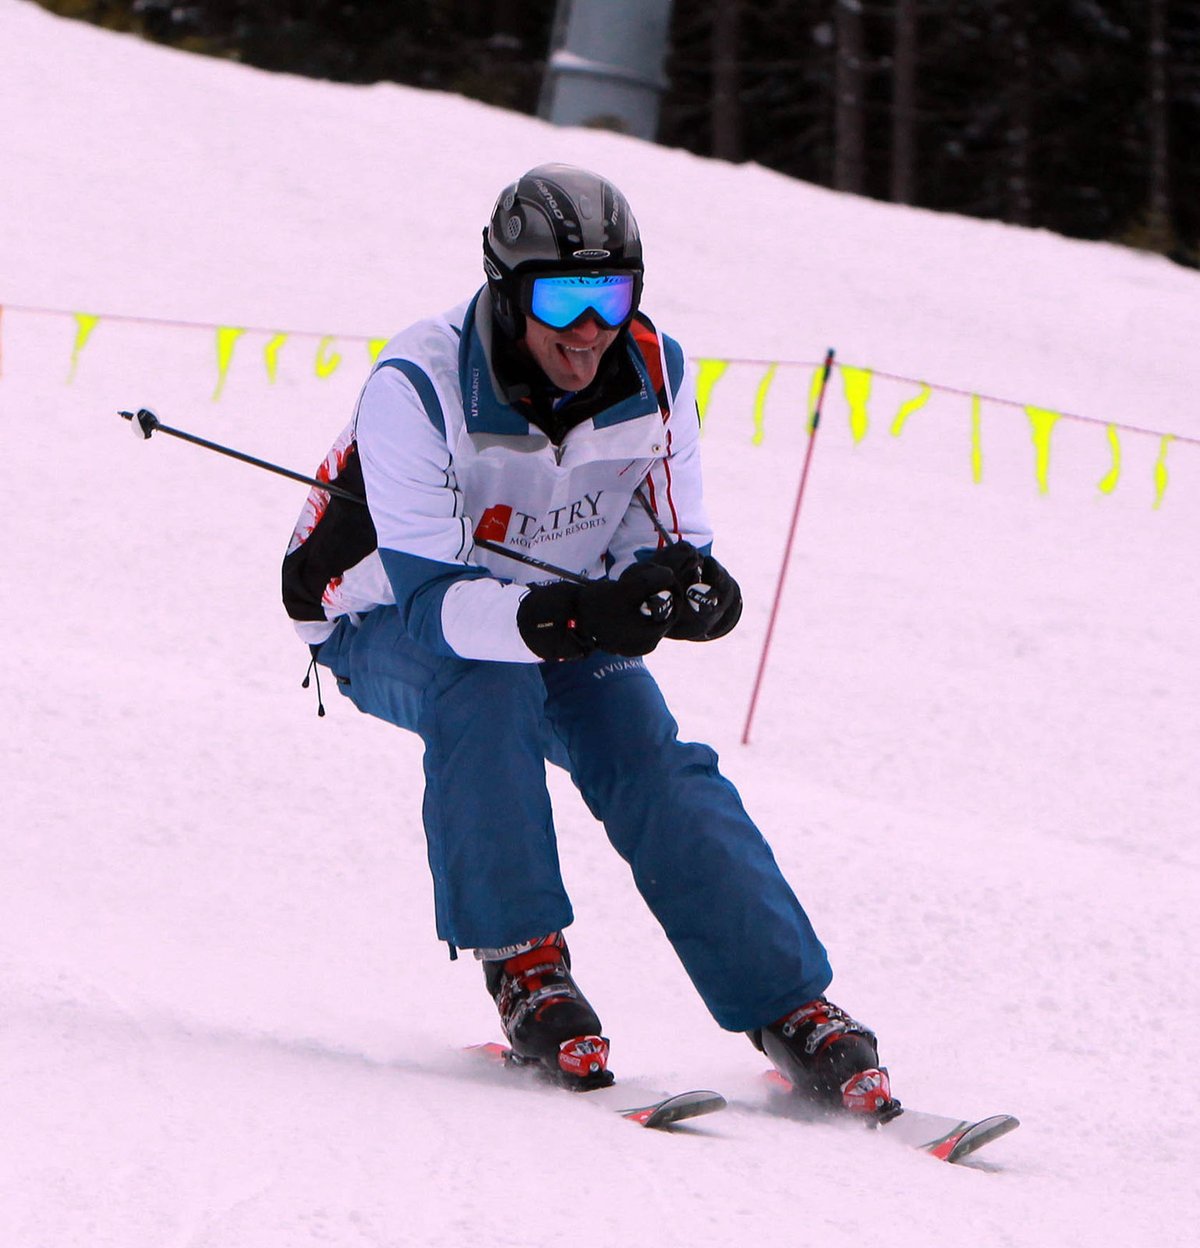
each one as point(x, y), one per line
point(554, 220)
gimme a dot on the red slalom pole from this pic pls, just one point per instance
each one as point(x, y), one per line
point(814, 424)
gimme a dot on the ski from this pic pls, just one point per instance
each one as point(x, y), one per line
point(659, 1111)
point(948, 1139)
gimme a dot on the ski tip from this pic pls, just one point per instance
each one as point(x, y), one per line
point(677, 1108)
point(497, 1052)
point(982, 1133)
point(974, 1137)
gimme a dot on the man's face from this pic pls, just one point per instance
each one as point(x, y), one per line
point(569, 357)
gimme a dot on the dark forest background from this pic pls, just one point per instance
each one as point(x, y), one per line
point(1080, 116)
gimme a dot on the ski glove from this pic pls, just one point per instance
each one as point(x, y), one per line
point(706, 613)
point(567, 621)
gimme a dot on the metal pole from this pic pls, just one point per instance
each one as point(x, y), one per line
point(787, 552)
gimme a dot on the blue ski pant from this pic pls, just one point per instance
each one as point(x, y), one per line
point(698, 860)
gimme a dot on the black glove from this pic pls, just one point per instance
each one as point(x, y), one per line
point(629, 616)
point(548, 620)
point(712, 601)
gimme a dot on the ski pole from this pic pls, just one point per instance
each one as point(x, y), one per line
point(787, 552)
point(508, 553)
point(145, 424)
point(700, 597)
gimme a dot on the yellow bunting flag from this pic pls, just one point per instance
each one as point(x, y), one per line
point(327, 358)
point(374, 346)
point(908, 407)
point(227, 336)
point(1042, 422)
point(814, 396)
point(709, 372)
point(760, 400)
point(976, 439)
point(271, 355)
point(1160, 470)
point(1113, 475)
point(84, 324)
point(857, 384)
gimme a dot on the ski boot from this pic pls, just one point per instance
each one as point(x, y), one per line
point(829, 1059)
point(548, 1021)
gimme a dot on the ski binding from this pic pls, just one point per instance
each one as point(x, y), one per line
point(947, 1139)
point(660, 1111)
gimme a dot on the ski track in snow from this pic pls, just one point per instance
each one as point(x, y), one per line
point(225, 1020)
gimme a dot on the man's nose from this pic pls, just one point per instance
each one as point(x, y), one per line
point(586, 331)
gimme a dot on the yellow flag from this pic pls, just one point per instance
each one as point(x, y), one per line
point(227, 336)
point(760, 400)
point(976, 439)
point(327, 358)
point(1160, 470)
point(271, 355)
point(84, 324)
point(709, 372)
point(374, 346)
point(1113, 475)
point(857, 384)
point(1042, 422)
point(908, 407)
point(814, 394)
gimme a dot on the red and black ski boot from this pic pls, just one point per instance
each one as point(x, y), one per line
point(829, 1059)
point(547, 1020)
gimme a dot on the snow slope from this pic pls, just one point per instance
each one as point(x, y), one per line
point(225, 1020)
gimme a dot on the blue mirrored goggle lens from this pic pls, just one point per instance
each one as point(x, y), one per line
point(561, 301)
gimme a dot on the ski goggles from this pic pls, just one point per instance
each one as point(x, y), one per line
point(561, 300)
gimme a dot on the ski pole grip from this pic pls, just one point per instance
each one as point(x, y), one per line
point(659, 605)
point(143, 423)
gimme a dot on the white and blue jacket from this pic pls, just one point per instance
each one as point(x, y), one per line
point(444, 454)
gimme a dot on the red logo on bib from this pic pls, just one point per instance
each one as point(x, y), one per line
point(493, 524)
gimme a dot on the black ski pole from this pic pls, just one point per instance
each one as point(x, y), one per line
point(146, 424)
point(700, 596)
point(566, 575)
point(658, 605)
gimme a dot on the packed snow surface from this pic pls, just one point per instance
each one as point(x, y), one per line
point(225, 1018)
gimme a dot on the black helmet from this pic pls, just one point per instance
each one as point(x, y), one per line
point(557, 219)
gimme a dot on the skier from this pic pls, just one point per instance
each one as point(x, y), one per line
point(547, 418)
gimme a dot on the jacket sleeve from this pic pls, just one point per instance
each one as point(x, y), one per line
point(673, 488)
point(447, 605)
